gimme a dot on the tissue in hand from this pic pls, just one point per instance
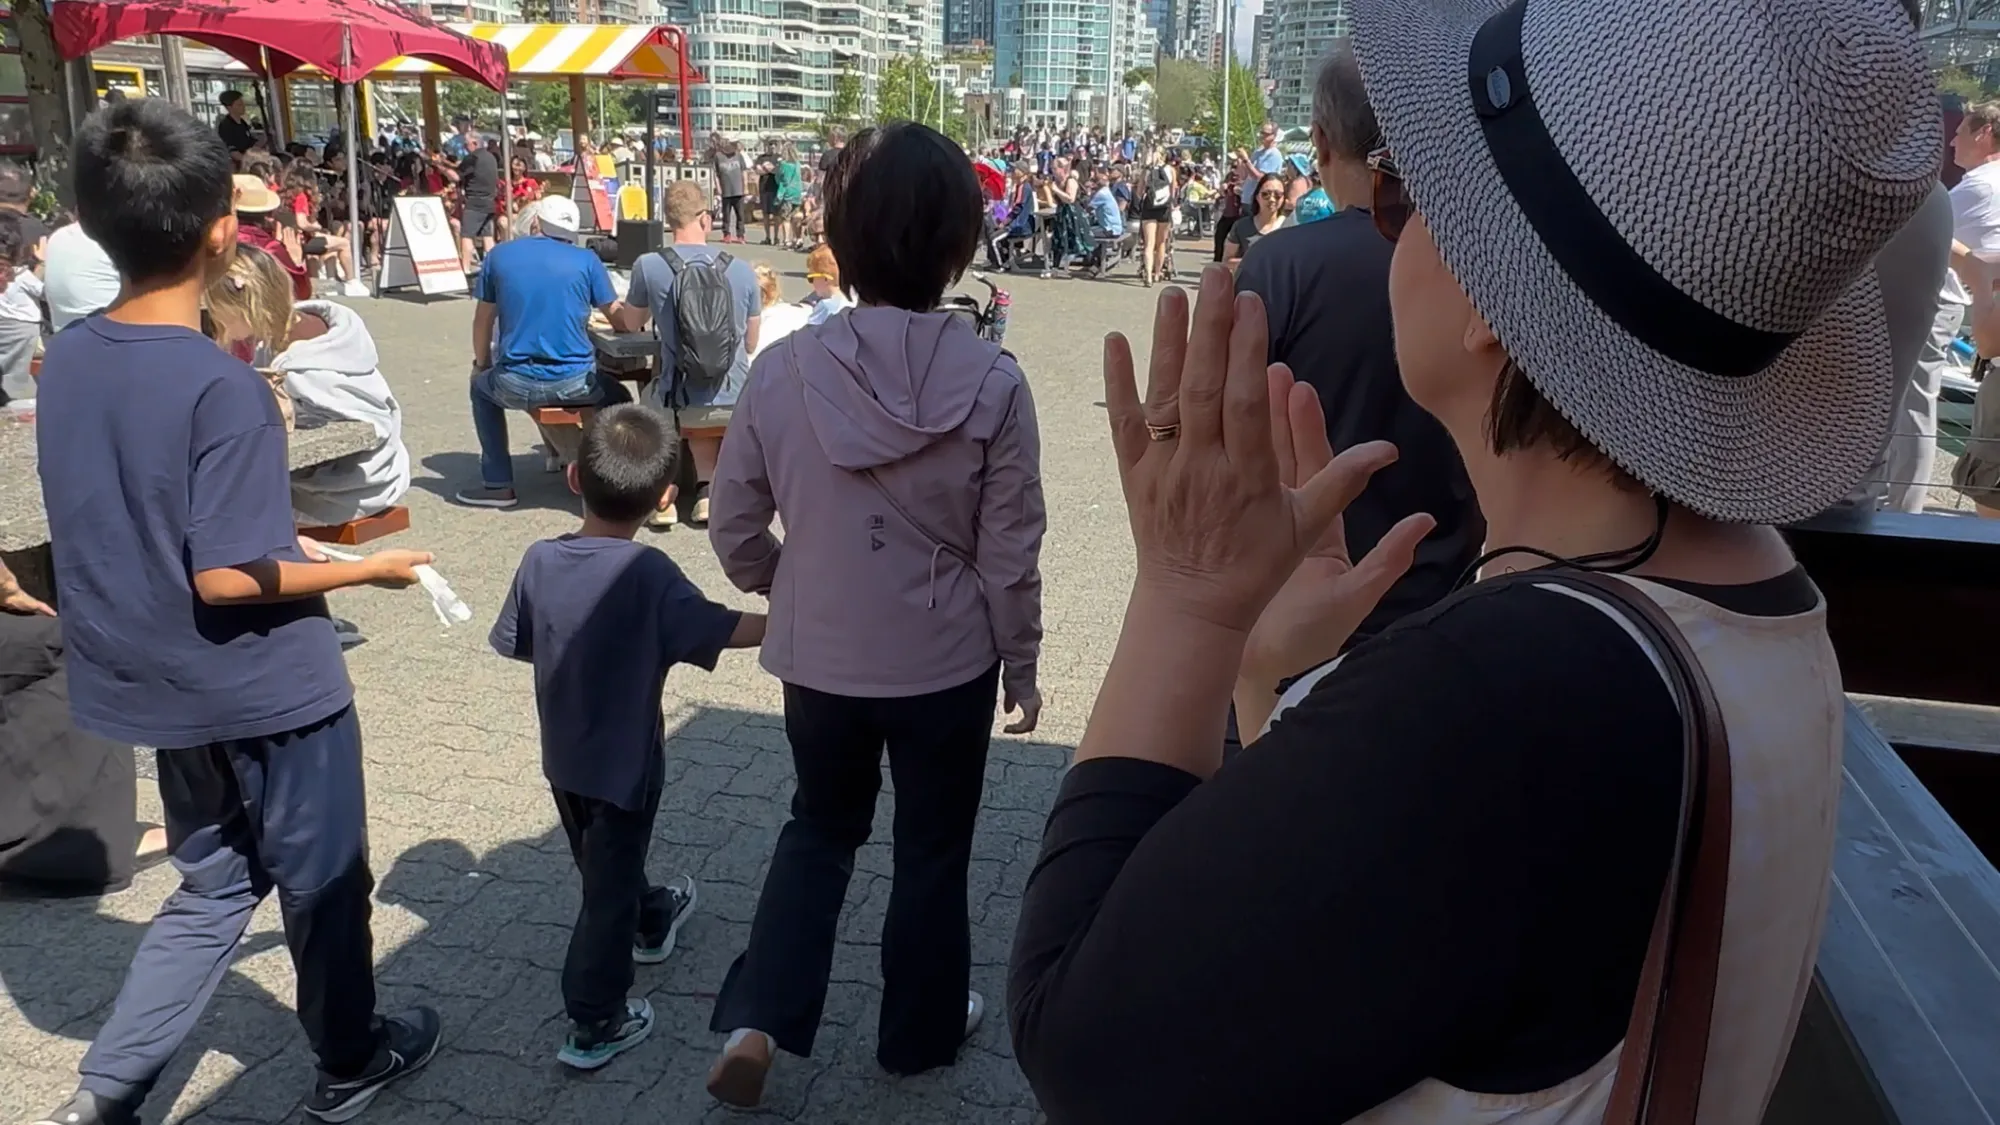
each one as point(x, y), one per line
point(445, 602)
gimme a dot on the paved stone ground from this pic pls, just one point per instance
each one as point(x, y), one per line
point(476, 888)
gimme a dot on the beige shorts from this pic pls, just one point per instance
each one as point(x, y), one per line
point(704, 417)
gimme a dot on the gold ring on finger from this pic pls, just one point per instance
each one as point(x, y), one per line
point(1168, 432)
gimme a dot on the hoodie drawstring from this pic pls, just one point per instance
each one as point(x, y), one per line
point(936, 550)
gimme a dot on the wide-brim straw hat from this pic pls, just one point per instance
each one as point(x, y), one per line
point(252, 196)
point(1668, 211)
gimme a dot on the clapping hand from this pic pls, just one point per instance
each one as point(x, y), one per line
point(1229, 483)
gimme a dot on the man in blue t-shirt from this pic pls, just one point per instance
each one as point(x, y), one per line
point(196, 622)
point(1106, 217)
point(530, 346)
point(1256, 165)
point(703, 410)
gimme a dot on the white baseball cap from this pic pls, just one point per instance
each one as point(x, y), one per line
point(559, 218)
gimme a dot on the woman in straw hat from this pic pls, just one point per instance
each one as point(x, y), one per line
point(1633, 280)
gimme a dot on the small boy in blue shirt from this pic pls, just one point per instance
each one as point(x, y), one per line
point(603, 619)
point(195, 623)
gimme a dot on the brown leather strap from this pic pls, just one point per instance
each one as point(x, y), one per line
point(1666, 1043)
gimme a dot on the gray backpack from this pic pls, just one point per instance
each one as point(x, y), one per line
point(705, 321)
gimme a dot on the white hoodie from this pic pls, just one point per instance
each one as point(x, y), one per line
point(337, 373)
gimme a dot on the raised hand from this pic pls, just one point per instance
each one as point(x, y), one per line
point(1218, 521)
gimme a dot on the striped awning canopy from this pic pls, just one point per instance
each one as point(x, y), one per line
point(569, 50)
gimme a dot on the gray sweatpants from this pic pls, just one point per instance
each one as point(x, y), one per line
point(17, 357)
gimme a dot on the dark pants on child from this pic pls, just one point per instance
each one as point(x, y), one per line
point(937, 756)
point(609, 845)
point(285, 811)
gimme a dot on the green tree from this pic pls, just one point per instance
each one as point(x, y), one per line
point(1246, 108)
point(48, 108)
point(1180, 91)
point(905, 91)
point(1958, 80)
point(844, 109)
point(1137, 75)
point(458, 98)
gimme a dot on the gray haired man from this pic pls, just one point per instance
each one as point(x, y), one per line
point(1326, 292)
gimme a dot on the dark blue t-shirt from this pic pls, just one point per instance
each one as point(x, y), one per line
point(162, 455)
point(544, 290)
point(602, 621)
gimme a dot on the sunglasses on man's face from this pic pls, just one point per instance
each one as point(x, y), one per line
point(1390, 205)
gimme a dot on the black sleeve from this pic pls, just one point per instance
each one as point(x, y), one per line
point(1445, 830)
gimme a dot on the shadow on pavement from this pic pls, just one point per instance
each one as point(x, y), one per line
point(536, 487)
point(491, 931)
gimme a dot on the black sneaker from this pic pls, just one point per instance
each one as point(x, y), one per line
point(660, 919)
point(590, 1046)
point(86, 1108)
point(409, 1040)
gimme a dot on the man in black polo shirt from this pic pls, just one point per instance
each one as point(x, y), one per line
point(1326, 292)
point(479, 186)
point(234, 125)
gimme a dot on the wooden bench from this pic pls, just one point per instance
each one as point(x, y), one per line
point(1900, 1027)
point(562, 429)
point(366, 529)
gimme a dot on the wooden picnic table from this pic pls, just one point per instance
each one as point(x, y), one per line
point(24, 524)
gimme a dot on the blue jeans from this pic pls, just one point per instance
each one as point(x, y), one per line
point(495, 391)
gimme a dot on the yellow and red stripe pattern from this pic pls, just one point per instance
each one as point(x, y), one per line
point(566, 50)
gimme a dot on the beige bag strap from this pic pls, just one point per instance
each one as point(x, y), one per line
point(1666, 1043)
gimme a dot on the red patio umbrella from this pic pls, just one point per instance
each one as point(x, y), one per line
point(346, 39)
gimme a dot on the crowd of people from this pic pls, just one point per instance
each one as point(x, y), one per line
point(1391, 673)
point(1074, 198)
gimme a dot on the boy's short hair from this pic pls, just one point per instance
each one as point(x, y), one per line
point(150, 181)
point(628, 458)
point(904, 215)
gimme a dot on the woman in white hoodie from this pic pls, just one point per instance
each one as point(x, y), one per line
point(328, 363)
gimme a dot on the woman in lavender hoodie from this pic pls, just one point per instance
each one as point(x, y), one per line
point(901, 452)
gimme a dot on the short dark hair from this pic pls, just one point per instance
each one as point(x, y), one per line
point(904, 214)
point(1521, 419)
point(628, 458)
point(230, 98)
point(149, 181)
point(13, 244)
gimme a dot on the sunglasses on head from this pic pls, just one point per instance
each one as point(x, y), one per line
point(1390, 204)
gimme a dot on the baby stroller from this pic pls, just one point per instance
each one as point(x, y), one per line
point(989, 320)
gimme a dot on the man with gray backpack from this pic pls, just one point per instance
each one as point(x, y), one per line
point(704, 304)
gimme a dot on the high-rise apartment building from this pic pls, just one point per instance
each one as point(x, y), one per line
point(1260, 46)
point(968, 21)
point(1069, 58)
point(1195, 28)
point(771, 65)
point(1300, 37)
point(469, 11)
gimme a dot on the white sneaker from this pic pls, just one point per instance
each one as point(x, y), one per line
point(356, 288)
